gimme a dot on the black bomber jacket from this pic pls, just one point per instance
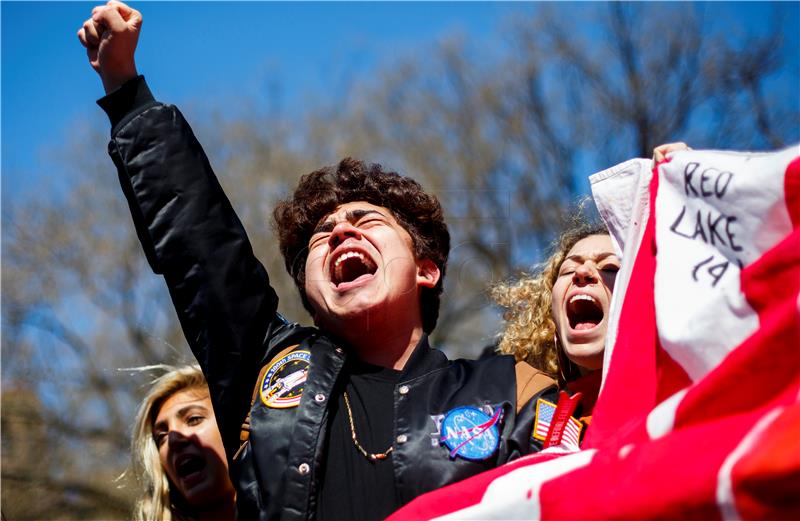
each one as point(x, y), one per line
point(228, 311)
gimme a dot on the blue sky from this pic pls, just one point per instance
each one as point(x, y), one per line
point(196, 51)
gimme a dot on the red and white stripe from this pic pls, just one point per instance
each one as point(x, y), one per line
point(572, 434)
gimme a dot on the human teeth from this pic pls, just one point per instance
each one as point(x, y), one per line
point(581, 296)
point(341, 272)
point(348, 255)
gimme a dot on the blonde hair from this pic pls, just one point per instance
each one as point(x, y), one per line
point(530, 332)
point(156, 503)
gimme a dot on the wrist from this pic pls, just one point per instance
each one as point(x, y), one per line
point(131, 97)
point(113, 81)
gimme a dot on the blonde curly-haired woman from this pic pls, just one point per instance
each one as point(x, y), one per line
point(557, 318)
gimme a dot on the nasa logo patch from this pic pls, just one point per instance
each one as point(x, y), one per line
point(471, 433)
point(283, 383)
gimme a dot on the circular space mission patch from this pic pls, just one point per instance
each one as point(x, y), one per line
point(283, 383)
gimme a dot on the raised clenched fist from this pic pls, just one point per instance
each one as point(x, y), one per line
point(110, 38)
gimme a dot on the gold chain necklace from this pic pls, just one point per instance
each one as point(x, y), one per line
point(370, 456)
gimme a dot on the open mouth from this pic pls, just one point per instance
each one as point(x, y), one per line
point(584, 312)
point(350, 266)
point(189, 464)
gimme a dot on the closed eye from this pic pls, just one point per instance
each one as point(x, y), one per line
point(317, 239)
point(567, 268)
point(369, 222)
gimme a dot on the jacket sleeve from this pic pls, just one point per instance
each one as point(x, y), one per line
point(192, 236)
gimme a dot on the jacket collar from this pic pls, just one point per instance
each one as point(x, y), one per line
point(423, 360)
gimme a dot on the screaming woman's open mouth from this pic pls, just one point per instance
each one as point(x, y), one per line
point(584, 312)
point(189, 464)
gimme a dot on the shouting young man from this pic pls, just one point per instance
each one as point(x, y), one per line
point(346, 420)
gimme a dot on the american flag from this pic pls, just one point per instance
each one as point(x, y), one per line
point(699, 411)
point(572, 434)
point(545, 411)
point(544, 415)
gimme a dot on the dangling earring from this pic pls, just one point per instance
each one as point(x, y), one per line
point(560, 360)
point(565, 363)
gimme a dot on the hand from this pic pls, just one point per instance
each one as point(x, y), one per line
point(661, 151)
point(110, 38)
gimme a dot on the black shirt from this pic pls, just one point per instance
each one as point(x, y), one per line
point(352, 486)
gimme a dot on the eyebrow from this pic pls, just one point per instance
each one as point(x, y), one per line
point(596, 258)
point(351, 216)
point(183, 411)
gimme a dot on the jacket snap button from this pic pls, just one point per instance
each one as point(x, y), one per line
point(403, 389)
point(303, 468)
point(319, 398)
point(402, 438)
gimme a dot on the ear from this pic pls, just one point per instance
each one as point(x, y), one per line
point(427, 273)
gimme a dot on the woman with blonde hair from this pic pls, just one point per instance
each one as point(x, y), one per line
point(178, 456)
point(556, 318)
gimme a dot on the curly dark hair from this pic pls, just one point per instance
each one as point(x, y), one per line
point(321, 191)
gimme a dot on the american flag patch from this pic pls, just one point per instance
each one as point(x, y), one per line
point(572, 434)
point(544, 416)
